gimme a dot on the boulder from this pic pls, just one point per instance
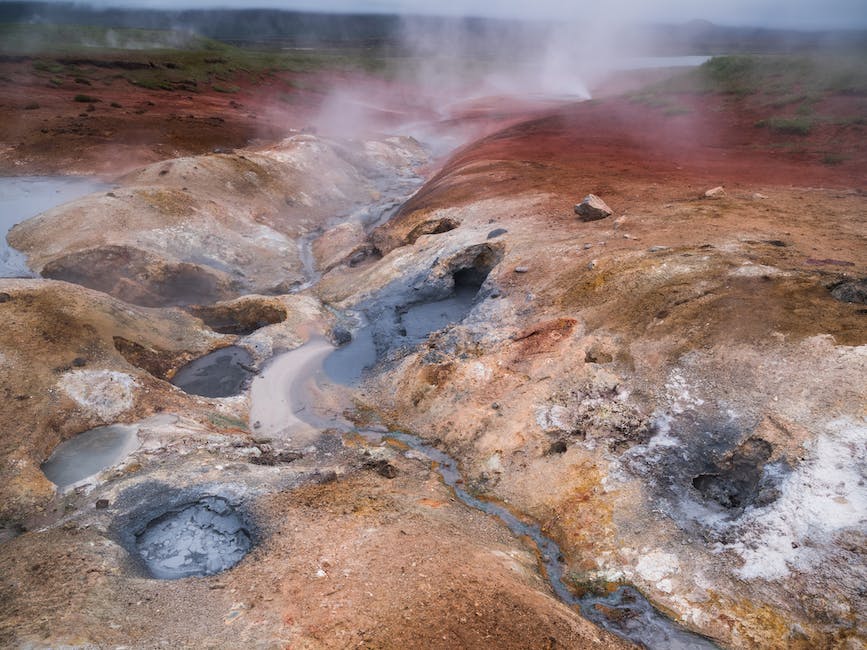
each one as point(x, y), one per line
point(592, 208)
point(715, 193)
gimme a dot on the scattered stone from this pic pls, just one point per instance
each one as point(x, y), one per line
point(592, 208)
point(558, 447)
point(102, 504)
point(779, 243)
point(588, 246)
point(272, 458)
point(715, 193)
point(592, 264)
point(497, 232)
point(522, 269)
point(79, 362)
point(340, 336)
point(382, 467)
point(758, 196)
point(658, 249)
point(5, 297)
point(495, 406)
point(851, 291)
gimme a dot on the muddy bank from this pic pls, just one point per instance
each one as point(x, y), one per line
point(203, 229)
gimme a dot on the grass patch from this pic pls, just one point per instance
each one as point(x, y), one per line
point(86, 99)
point(800, 125)
point(226, 421)
point(226, 89)
point(782, 80)
point(833, 159)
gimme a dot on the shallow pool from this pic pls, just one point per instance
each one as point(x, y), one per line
point(23, 197)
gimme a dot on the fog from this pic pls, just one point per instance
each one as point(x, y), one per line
point(790, 14)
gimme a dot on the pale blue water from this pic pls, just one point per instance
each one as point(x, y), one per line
point(23, 197)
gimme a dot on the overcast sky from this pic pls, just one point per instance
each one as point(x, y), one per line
point(799, 14)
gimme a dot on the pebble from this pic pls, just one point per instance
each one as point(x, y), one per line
point(522, 269)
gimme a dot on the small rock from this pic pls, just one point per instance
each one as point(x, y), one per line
point(79, 362)
point(657, 249)
point(497, 232)
point(851, 291)
point(522, 269)
point(382, 467)
point(758, 196)
point(558, 447)
point(261, 440)
point(5, 297)
point(101, 504)
point(495, 406)
point(592, 208)
point(592, 264)
point(340, 336)
point(588, 246)
point(715, 193)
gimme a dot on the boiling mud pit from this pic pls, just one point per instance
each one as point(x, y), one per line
point(222, 373)
point(197, 539)
point(24, 197)
point(89, 453)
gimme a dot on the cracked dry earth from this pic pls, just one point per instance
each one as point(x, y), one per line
point(675, 394)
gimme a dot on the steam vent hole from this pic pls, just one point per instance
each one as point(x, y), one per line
point(198, 539)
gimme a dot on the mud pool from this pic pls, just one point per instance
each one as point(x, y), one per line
point(221, 373)
point(197, 539)
point(27, 196)
point(89, 453)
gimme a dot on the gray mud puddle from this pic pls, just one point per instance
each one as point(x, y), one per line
point(89, 453)
point(23, 197)
point(222, 373)
point(196, 539)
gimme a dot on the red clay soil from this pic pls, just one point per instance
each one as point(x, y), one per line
point(614, 145)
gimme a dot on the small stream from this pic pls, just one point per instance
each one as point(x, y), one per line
point(283, 400)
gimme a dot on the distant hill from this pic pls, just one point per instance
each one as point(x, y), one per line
point(300, 29)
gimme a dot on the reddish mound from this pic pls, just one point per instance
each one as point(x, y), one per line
point(609, 146)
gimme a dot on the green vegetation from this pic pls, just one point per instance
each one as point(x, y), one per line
point(788, 125)
point(833, 159)
point(86, 99)
point(795, 86)
point(226, 421)
point(165, 60)
point(782, 79)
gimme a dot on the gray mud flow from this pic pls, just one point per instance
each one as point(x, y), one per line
point(23, 197)
point(197, 539)
point(222, 373)
point(394, 322)
point(89, 453)
point(629, 614)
